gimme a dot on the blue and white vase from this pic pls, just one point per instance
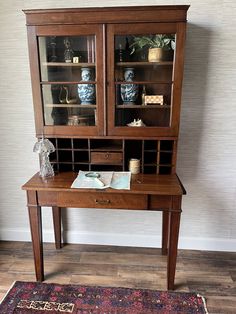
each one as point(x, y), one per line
point(86, 92)
point(129, 92)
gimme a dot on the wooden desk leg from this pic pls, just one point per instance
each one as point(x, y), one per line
point(56, 213)
point(165, 231)
point(173, 241)
point(37, 241)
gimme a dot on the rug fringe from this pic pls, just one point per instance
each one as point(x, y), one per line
point(204, 302)
point(7, 292)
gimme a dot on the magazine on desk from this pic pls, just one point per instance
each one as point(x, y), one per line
point(119, 180)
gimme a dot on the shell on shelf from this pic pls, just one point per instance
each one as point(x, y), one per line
point(136, 123)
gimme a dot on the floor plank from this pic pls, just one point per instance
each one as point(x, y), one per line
point(212, 274)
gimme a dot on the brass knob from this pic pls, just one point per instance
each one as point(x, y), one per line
point(102, 202)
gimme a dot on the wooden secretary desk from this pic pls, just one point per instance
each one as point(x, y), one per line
point(103, 97)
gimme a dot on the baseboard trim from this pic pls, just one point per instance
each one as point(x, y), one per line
point(190, 243)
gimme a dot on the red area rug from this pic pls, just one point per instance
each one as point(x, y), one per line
point(34, 297)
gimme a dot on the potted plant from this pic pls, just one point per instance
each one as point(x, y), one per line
point(157, 45)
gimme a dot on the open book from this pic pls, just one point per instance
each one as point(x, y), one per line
point(102, 179)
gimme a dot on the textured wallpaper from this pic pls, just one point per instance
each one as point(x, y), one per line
point(206, 150)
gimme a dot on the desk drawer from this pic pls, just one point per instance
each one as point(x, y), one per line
point(102, 200)
point(114, 158)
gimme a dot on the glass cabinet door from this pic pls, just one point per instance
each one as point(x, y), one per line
point(69, 81)
point(142, 79)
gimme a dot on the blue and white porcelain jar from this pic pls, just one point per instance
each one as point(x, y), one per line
point(129, 92)
point(86, 92)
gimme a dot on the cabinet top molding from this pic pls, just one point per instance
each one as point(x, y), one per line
point(130, 14)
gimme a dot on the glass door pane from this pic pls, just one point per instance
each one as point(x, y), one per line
point(68, 79)
point(143, 80)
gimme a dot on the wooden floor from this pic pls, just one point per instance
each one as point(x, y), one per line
point(212, 274)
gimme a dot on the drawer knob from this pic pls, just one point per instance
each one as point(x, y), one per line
point(102, 202)
point(107, 155)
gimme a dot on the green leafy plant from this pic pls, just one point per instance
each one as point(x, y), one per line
point(154, 41)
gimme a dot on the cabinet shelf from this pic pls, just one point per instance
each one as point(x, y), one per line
point(106, 164)
point(156, 164)
point(164, 165)
point(143, 106)
point(143, 83)
point(67, 64)
point(150, 151)
point(54, 162)
point(66, 82)
point(143, 63)
point(105, 149)
point(74, 149)
point(157, 151)
point(90, 154)
point(70, 106)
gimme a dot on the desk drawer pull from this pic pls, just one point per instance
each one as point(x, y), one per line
point(113, 158)
point(102, 202)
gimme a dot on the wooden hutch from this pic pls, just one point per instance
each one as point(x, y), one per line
point(98, 119)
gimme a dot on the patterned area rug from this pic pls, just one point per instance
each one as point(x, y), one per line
point(33, 297)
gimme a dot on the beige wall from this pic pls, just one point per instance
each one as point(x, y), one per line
point(207, 147)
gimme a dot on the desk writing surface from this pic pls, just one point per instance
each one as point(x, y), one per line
point(140, 184)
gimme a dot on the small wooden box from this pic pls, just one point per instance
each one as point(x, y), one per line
point(154, 100)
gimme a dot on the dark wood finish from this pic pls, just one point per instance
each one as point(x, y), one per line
point(107, 15)
point(100, 200)
point(108, 143)
point(178, 75)
point(165, 231)
point(174, 217)
point(35, 80)
point(56, 212)
point(156, 156)
point(164, 185)
point(160, 201)
point(107, 158)
point(37, 241)
point(145, 190)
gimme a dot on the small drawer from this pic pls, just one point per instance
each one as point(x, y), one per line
point(102, 200)
point(113, 158)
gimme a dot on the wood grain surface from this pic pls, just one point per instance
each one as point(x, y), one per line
point(211, 274)
point(207, 146)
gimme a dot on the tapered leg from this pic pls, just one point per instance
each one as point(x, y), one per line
point(37, 241)
point(173, 241)
point(165, 232)
point(56, 213)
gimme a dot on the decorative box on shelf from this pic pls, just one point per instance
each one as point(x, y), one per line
point(154, 99)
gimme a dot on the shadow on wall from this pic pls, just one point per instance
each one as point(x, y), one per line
point(194, 98)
